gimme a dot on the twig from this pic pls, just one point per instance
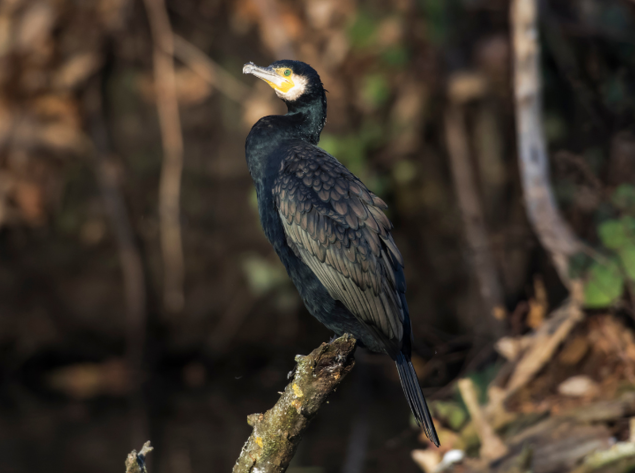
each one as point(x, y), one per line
point(214, 74)
point(278, 431)
point(544, 344)
point(473, 219)
point(172, 138)
point(599, 459)
point(492, 447)
point(136, 462)
point(129, 255)
point(130, 260)
point(553, 232)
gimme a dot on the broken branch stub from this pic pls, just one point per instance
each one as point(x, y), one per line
point(136, 462)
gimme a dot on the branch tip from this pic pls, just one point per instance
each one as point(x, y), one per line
point(136, 462)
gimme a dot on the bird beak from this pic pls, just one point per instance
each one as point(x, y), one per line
point(268, 74)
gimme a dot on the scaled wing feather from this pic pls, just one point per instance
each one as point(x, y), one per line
point(338, 229)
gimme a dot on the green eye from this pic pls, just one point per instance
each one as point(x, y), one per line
point(287, 72)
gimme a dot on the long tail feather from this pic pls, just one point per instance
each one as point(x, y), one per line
point(417, 402)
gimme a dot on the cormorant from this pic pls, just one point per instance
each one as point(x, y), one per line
point(328, 229)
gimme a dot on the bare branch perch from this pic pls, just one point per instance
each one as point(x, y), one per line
point(278, 431)
point(553, 232)
point(170, 185)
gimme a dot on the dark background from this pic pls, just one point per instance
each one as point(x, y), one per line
point(77, 103)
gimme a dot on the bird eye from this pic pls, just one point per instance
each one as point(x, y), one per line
point(287, 72)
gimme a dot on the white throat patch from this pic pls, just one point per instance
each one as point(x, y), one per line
point(299, 87)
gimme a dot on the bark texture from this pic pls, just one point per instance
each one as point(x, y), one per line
point(554, 233)
point(278, 431)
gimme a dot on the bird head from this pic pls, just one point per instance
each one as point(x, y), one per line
point(293, 81)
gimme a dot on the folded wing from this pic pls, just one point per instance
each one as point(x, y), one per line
point(337, 227)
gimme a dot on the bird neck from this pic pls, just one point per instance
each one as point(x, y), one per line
point(308, 118)
point(303, 121)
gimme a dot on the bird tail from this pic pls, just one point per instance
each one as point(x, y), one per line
point(416, 401)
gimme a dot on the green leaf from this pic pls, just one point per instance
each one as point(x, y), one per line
point(438, 20)
point(614, 92)
point(613, 234)
point(363, 32)
point(627, 255)
point(483, 378)
point(263, 275)
point(375, 90)
point(604, 284)
point(624, 198)
point(329, 143)
point(395, 56)
point(555, 126)
point(578, 265)
point(404, 172)
point(451, 412)
point(629, 227)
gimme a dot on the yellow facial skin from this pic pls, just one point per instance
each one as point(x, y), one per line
point(286, 85)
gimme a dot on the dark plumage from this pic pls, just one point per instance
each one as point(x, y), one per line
point(328, 229)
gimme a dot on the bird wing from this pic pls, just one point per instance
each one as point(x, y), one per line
point(337, 227)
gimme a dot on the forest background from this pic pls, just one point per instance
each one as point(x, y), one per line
point(140, 300)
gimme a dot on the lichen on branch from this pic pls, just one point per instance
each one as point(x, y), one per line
point(277, 433)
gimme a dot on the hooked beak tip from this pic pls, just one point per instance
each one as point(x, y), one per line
point(268, 74)
point(248, 68)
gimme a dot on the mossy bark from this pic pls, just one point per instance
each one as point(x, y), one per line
point(277, 433)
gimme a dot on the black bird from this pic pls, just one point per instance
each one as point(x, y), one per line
point(328, 229)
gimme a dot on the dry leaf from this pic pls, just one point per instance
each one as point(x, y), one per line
point(538, 305)
point(28, 196)
point(578, 386)
point(320, 13)
point(427, 460)
point(35, 27)
point(466, 86)
point(509, 347)
point(574, 351)
point(86, 380)
point(61, 137)
point(191, 88)
point(93, 231)
point(76, 70)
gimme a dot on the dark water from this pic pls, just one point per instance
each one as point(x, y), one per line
point(197, 422)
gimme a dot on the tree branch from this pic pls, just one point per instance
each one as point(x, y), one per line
point(477, 238)
point(278, 431)
point(209, 70)
point(552, 231)
point(108, 179)
point(172, 138)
